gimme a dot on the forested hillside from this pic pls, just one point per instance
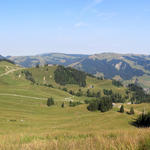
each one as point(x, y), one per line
point(125, 67)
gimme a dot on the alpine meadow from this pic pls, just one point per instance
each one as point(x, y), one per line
point(74, 75)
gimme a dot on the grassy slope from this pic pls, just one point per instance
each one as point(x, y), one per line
point(29, 124)
point(44, 75)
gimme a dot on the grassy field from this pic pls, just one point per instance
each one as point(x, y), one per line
point(26, 123)
point(30, 124)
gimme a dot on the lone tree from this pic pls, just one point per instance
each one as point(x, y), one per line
point(132, 111)
point(50, 101)
point(122, 109)
point(63, 105)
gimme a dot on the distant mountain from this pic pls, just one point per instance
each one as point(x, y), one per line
point(124, 67)
point(1, 57)
point(52, 58)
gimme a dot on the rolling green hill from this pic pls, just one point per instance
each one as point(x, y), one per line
point(27, 123)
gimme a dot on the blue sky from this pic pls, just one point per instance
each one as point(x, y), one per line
point(29, 27)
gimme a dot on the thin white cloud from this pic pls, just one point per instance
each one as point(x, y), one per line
point(106, 15)
point(80, 24)
point(90, 6)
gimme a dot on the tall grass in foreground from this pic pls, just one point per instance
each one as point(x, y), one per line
point(106, 140)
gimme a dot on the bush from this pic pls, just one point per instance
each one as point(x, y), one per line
point(50, 101)
point(122, 109)
point(142, 120)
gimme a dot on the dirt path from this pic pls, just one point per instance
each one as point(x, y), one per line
point(10, 71)
point(16, 95)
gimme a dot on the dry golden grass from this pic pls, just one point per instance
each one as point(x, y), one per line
point(105, 140)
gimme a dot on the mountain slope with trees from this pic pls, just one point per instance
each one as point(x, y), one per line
point(125, 67)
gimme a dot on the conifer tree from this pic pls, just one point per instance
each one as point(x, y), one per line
point(122, 109)
point(132, 111)
point(50, 101)
point(63, 105)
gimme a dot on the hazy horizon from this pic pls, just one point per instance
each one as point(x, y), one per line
point(77, 54)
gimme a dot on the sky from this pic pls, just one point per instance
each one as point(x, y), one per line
point(29, 27)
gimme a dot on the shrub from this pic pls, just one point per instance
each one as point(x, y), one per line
point(122, 109)
point(142, 120)
point(50, 101)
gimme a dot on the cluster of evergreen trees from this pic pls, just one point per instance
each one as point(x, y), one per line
point(93, 94)
point(69, 75)
point(78, 93)
point(131, 112)
point(107, 92)
point(28, 75)
point(88, 93)
point(138, 94)
point(117, 83)
point(102, 104)
point(115, 97)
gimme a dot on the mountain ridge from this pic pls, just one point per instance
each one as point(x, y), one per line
point(124, 67)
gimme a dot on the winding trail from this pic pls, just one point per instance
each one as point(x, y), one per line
point(31, 97)
point(10, 71)
point(16, 95)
